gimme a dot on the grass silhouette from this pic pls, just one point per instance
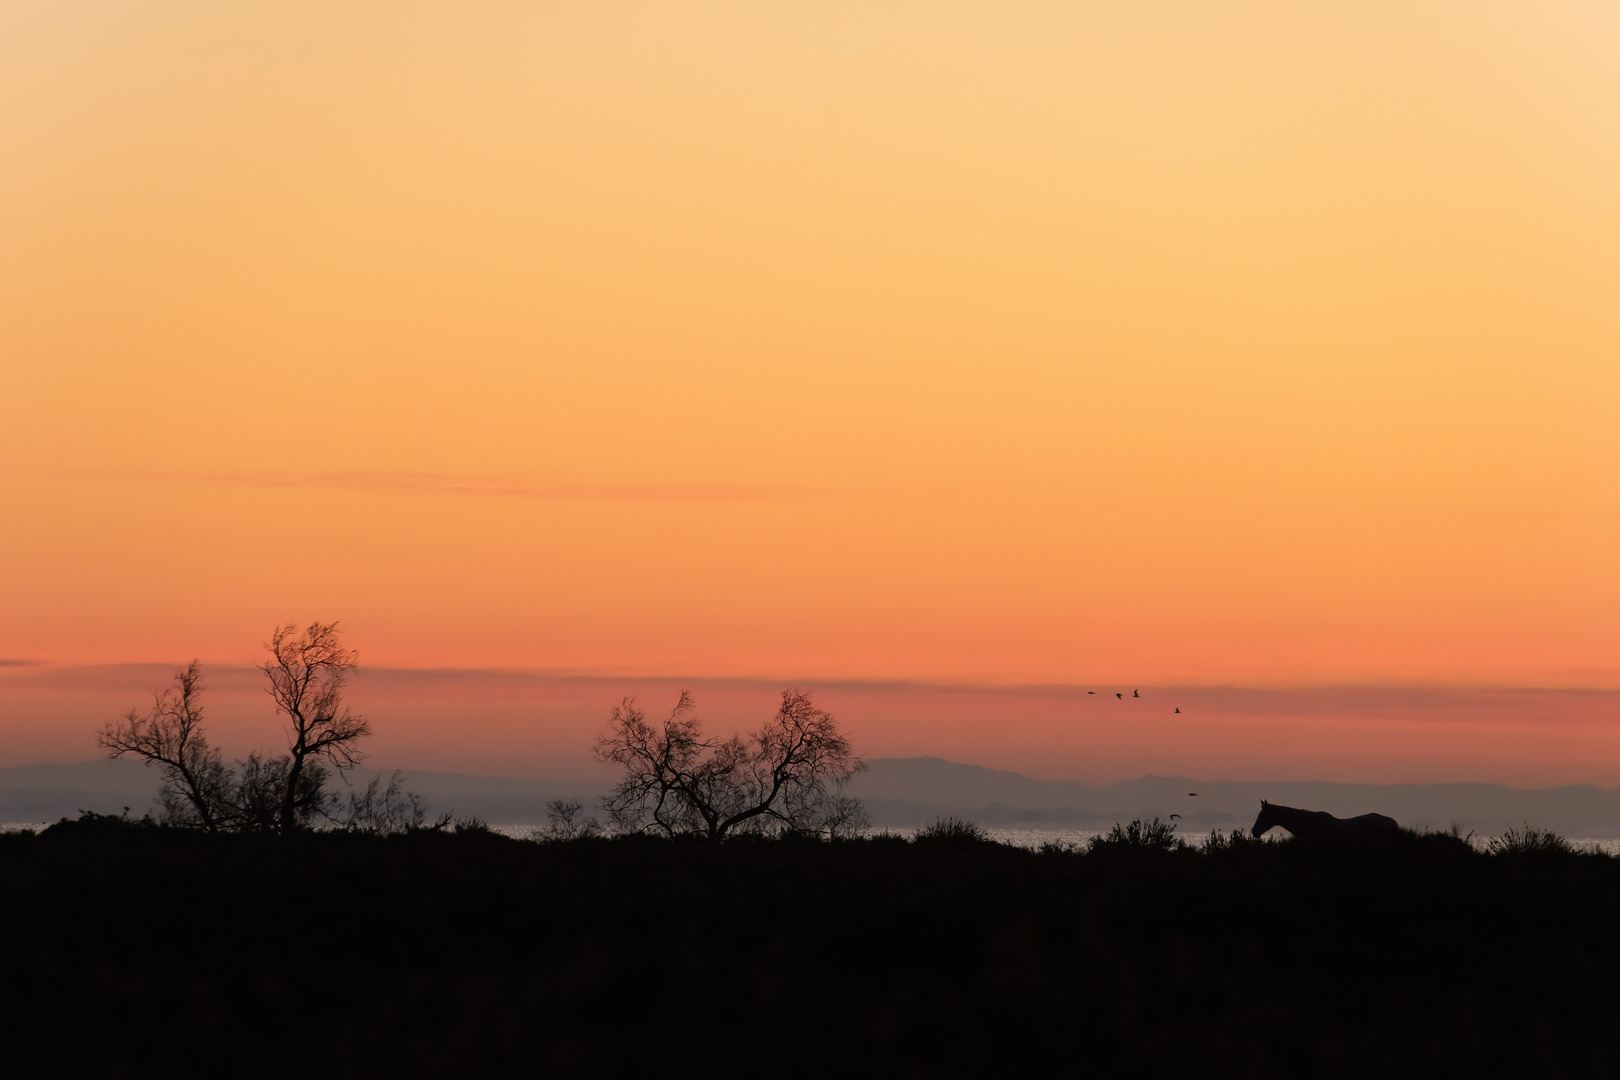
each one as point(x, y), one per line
point(1153, 835)
point(953, 830)
point(132, 949)
point(1528, 841)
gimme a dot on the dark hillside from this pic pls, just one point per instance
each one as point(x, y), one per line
point(135, 951)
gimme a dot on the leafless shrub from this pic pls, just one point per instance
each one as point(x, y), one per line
point(563, 821)
point(385, 810)
point(844, 817)
point(267, 788)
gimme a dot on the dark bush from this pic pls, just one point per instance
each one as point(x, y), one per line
point(1155, 835)
point(1529, 840)
point(953, 830)
point(90, 823)
point(1236, 840)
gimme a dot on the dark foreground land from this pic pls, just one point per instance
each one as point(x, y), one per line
point(134, 951)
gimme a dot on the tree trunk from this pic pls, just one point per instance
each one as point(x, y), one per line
point(290, 796)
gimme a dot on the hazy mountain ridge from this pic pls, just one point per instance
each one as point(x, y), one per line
point(901, 792)
point(906, 791)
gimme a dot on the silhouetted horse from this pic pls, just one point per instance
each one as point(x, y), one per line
point(1318, 825)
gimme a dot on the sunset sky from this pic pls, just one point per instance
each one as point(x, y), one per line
point(1256, 345)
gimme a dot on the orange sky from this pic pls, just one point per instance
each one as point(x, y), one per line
point(1263, 343)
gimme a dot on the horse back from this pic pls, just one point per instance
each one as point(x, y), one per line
point(1371, 825)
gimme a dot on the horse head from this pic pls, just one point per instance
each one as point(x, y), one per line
point(1267, 820)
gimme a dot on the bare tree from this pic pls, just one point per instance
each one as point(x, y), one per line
point(197, 787)
point(788, 775)
point(307, 672)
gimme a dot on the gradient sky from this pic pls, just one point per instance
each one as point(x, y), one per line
point(525, 723)
point(974, 343)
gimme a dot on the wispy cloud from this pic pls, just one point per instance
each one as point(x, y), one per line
point(485, 485)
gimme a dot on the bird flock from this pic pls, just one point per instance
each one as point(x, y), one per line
point(1120, 694)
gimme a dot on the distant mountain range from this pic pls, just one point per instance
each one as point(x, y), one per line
point(901, 792)
point(907, 791)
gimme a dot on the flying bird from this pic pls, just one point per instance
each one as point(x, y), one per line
point(1192, 794)
point(1091, 691)
point(1120, 696)
point(1174, 816)
point(1136, 693)
point(1178, 708)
